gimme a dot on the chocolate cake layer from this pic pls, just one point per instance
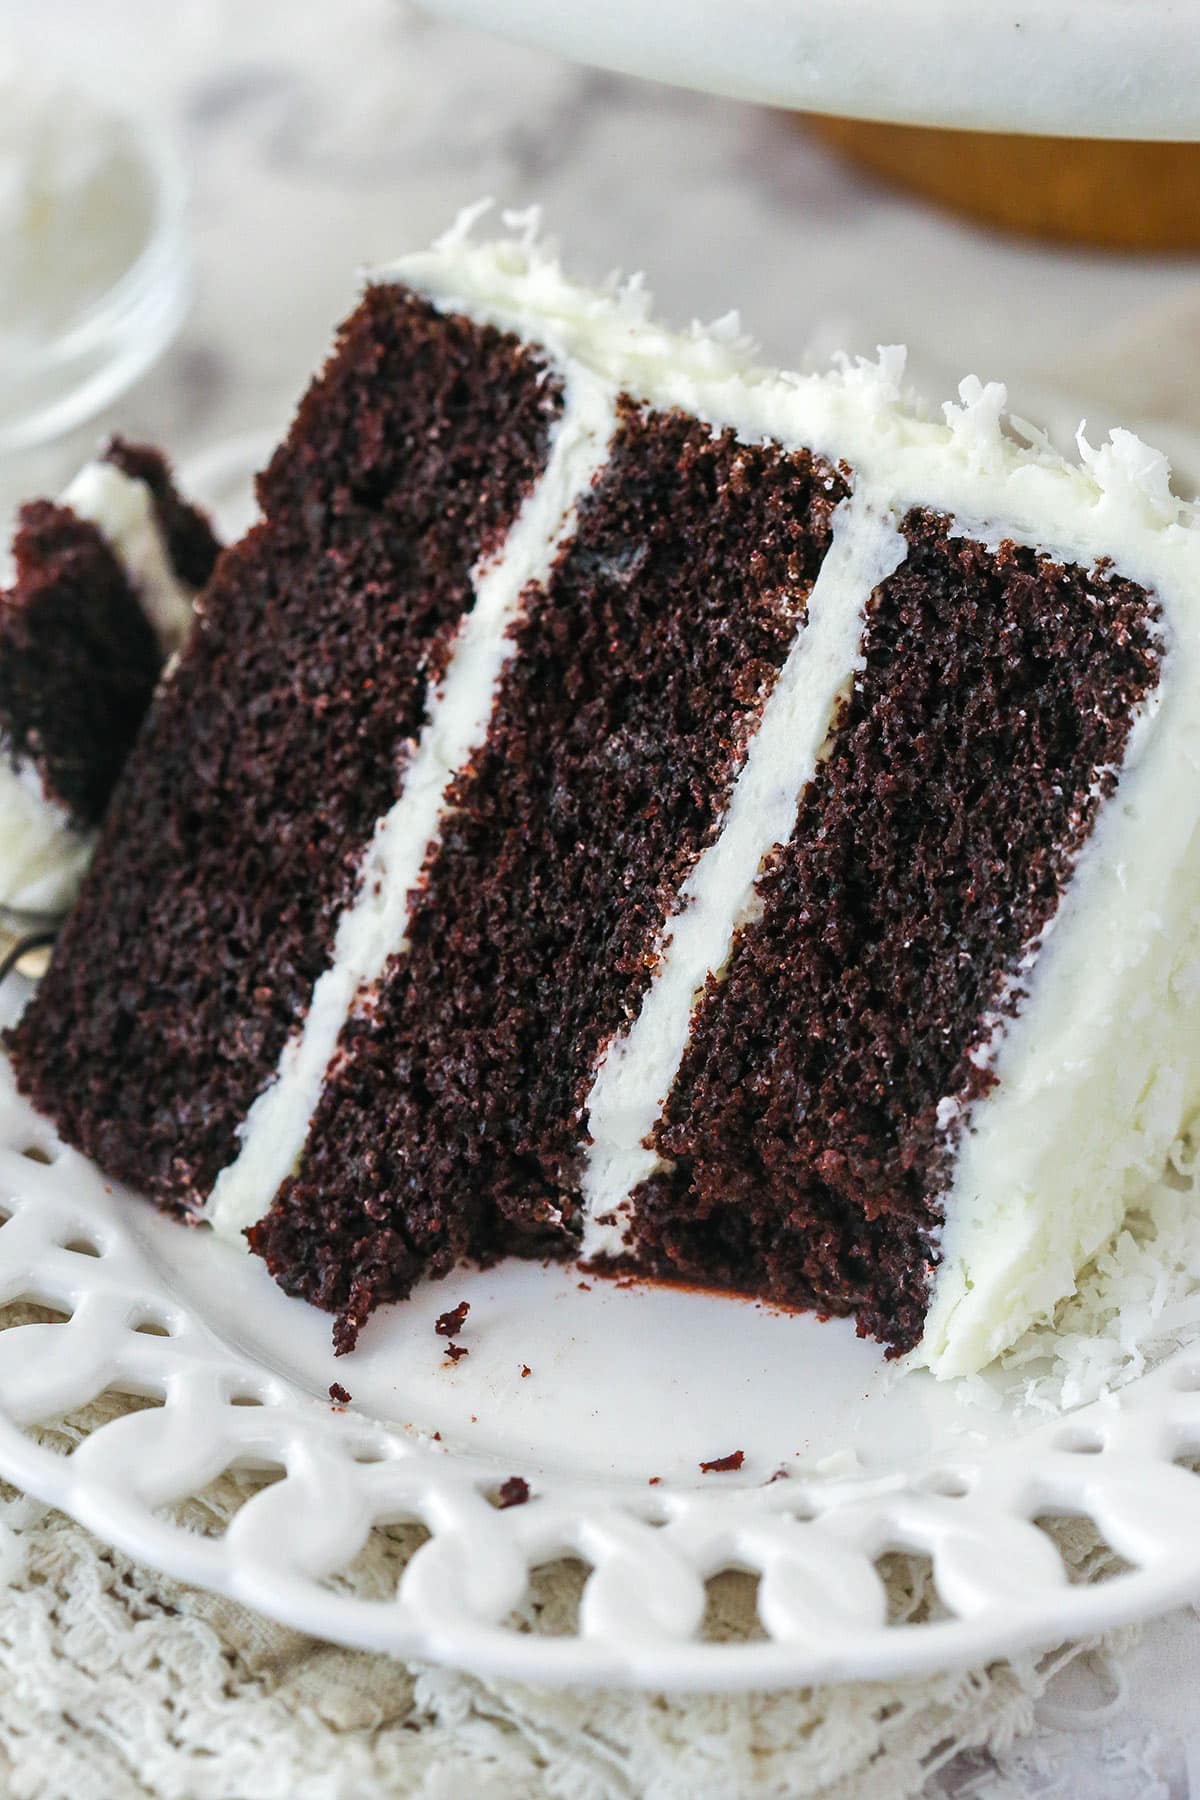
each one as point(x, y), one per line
point(452, 1121)
point(78, 661)
point(807, 1161)
point(234, 839)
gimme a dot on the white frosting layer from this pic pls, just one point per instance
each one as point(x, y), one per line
point(1100, 1072)
point(639, 1067)
point(374, 926)
point(123, 509)
point(1115, 502)
point(42, 855)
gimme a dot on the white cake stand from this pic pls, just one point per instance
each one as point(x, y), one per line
point(1072, 68)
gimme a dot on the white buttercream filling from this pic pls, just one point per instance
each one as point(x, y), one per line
point(43, 856)
point(123, 510)
point(373, 928)
point(718, 896)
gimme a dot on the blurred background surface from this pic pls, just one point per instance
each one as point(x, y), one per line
point(318, 138)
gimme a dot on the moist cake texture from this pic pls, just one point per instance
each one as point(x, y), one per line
point(101, 597)
point(621, 803)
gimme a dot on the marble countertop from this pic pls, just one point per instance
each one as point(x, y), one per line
point(321, 138)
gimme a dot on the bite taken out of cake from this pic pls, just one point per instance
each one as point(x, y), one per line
point(623, 803)
point(100, 598)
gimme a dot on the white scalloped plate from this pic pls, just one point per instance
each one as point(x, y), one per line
point(625, 1384)
point(1073, 68)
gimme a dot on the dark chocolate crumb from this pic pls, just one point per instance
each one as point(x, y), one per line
point(338, 1394)
point(452, 1322)
point(456, 1352)
point(513, 1492)
point(525, 1370)
point(724, 1465)
point(654, 1480)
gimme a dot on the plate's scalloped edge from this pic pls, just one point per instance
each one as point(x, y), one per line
point(815, 1545)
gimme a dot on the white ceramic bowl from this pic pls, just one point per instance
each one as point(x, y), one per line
point(106, 323)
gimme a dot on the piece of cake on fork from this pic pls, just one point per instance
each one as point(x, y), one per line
point(101, 598)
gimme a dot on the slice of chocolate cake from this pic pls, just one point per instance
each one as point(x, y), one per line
point(626, 804)
point(101, 597)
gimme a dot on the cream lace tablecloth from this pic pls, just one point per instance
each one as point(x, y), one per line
point(322, 136)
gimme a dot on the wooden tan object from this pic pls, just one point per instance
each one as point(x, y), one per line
point(1128, 196)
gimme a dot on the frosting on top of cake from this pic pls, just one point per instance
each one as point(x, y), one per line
point(975, 460)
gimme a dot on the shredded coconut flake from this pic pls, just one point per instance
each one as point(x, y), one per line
point(1136, 1302)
